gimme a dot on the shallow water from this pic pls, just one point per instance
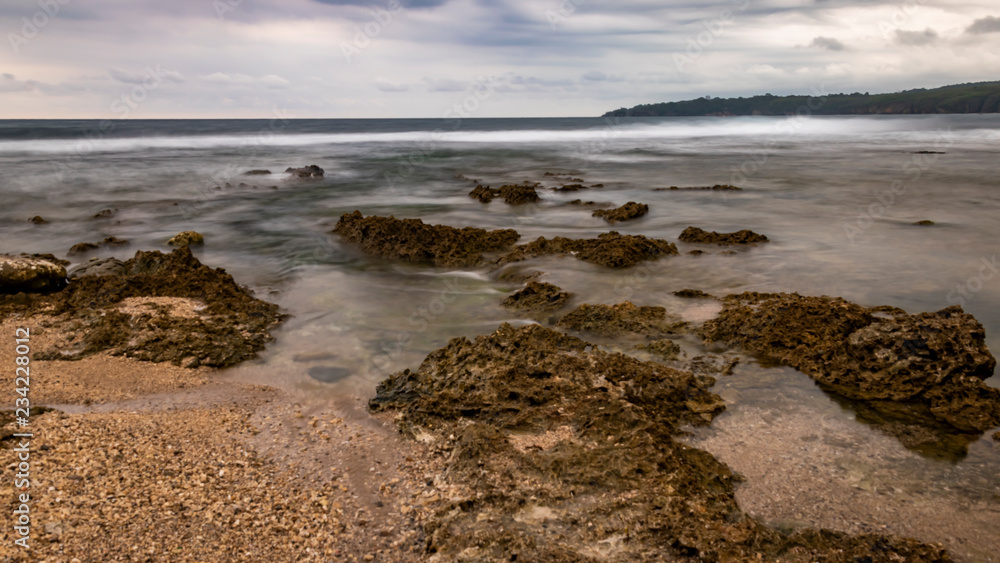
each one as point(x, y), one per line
point(836, 195)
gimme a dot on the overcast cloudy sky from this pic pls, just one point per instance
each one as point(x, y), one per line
point(418, 58)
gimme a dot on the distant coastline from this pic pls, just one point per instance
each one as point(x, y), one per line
point(979, 97)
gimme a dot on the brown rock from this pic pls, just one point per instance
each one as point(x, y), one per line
point(693, 293)
point(512, 194)
point(106, 214)
point(615, 320)
point(413, 241)
point(538, 297)
point(630, 210)
point(82, 247)
point(38, 220)
point(612, 250)
point(696, 235)
point(187, 238)
point(935, 360)
point(557, 446)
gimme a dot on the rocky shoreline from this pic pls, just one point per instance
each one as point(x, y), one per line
point(560, 440)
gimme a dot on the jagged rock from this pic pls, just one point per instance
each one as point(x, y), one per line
point(554, 446)
point(512, 194)
point(630, 210)
point(311, 171)
point(935, 362)
point(696, 235)
point(30, 274)
point(615, 320)
point(103, 311)
point(612, 250)
point(413, 241)
point(538, 297)
point(187, 238)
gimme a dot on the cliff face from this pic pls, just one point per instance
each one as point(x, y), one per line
point(982, 97)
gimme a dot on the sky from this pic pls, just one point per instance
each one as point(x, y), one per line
point(114, 59)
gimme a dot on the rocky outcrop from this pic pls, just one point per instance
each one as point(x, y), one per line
point(612, 250)
point(31, 274)
point(414, 241)
point(154, 307)
point(933, 363)
point(700, 236)
point(538, 297)
point(627, 212)
point(623, 318)
point(557, 451)
point(512, 194)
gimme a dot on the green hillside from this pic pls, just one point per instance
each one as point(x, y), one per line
point(979, 97)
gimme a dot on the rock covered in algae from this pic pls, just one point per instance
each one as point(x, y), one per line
point(612, 250)
point(934, 361)
point(627, 212)
point(696, 235)
point(622, 318)
point(538, 297)
point(557, 451)
point(414, 241)
point(155, 307)
point(187, 238)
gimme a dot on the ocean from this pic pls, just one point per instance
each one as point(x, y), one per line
point(837, 196)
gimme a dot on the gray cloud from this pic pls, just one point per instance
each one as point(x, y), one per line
point(988, 24)
point(828, 43)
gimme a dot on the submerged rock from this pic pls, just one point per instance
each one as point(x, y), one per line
point(693, 294)
point(538, 297)
point(31, 274)
point(696, 235)
point(630, 210)
point(84, 247)
point(38, 220)
point(934, 362)
point(664, 348)
point(716, 187)
point(570, 188)
point(105, 214)
point(615, 320)
point(187, 238)
point(257, 172)
point(512, 194)
point(556, 451)
point(924, 223)
point(413, 241)
point(311, 171)
point(612, 250)
point(154, 307)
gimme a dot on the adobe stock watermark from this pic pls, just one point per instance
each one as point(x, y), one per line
point(964, 292)
point(901, 14)
point(913, 168)
point(31, 27)
point(714, 28)
point(122, 107)
point(563, 11)
point(380, 20)
point(782, 130)
point(482, 90)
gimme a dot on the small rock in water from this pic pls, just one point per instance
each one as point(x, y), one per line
point(81, 248)
point(538, 296)
point(38, 220)
point(187, 238)
point(311, 171)
point(105, 214)
point(630, 210)
point(696, 235)
point(693, 293)
point(924, 222)
point(256, 172)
